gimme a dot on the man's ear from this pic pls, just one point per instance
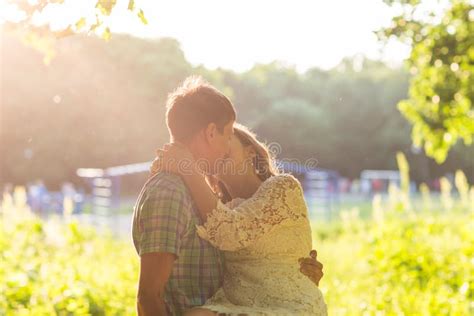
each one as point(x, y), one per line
point(210, 132)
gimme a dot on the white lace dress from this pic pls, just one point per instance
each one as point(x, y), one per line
point(262, 238)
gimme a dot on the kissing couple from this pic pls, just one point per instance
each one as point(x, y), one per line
point(218, 229)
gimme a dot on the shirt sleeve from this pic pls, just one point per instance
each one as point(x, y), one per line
point(163, 220)
point(277, 200)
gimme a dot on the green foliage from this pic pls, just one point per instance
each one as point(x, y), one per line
point(440, 106)
point(42, 37)
point(333, 110)
point(400, 261)
point(141, 15)
point(101, 9)
point(112, 114)
point(63, 269)
point(397, 264)
point(59, 267)
point(402, 266)
point(110, 98)
point(407, 259)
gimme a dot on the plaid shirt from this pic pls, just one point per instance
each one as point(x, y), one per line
point(165, 220)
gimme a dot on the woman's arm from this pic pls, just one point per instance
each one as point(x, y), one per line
point(177, 158)
point(203, 196)
point(231, 229)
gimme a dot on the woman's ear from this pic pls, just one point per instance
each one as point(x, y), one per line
point(250, 152)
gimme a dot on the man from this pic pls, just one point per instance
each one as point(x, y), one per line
point(178, 270)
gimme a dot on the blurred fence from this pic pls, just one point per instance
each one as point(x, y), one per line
point(320, 186)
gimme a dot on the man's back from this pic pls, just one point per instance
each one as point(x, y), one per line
point(165, 220)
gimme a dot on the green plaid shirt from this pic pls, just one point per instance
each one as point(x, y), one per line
point(165, 220)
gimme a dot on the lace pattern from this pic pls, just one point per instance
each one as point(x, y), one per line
point(278, 199)
point(262, 238)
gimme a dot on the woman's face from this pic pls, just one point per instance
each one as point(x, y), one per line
point(237, 162)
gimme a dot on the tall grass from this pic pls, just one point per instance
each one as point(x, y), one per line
point(407, 259)
point(61, 268)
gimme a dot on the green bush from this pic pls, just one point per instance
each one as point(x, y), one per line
point(407, 259)
point(418, 265)
point(412, 257)
point(63, 269)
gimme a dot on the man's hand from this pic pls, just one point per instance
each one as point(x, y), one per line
point(311, 267)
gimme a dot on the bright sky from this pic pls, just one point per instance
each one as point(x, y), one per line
point(236, 34)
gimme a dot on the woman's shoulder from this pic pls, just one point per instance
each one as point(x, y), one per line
point(283, 180)
point(271, 186)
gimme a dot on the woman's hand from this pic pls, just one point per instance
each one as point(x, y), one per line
point(156, 164)
point(174, 158)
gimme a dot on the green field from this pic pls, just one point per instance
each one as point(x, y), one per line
point(400, 261)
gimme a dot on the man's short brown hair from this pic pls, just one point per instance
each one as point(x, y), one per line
point(193, 106)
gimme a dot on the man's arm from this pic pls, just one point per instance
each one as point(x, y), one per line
point(155, 269)
point(162, 221)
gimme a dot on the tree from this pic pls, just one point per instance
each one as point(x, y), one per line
point(440, 103)
point(25, 15)
point(96, 105)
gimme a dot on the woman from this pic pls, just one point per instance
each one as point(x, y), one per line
point(263, 229)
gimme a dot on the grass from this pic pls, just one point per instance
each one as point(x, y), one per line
point(407, 257)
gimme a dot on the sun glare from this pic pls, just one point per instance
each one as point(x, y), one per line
point(239, 34)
